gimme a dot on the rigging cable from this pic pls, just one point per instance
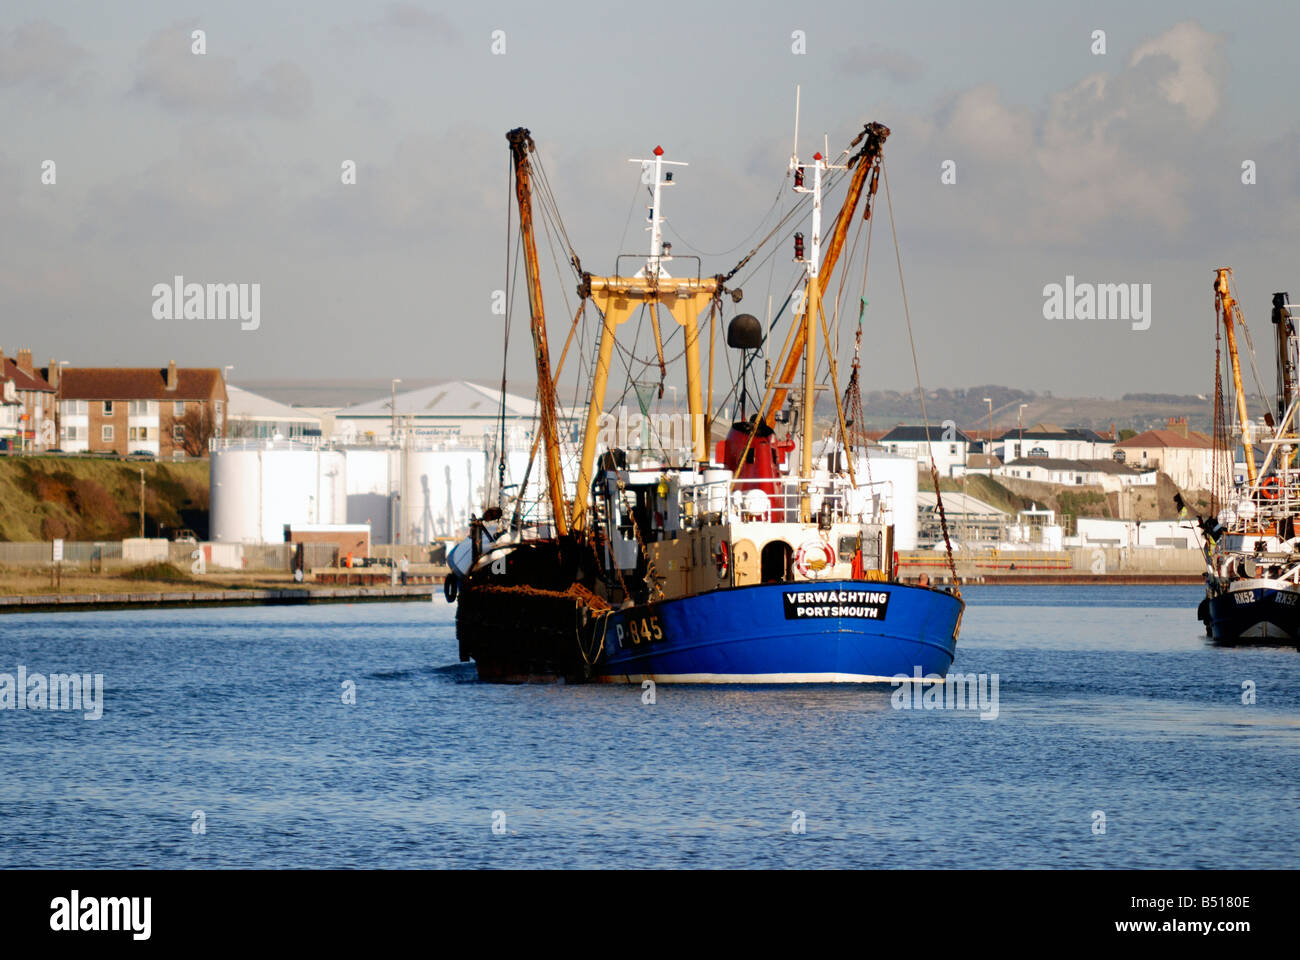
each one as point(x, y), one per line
point(920, 390)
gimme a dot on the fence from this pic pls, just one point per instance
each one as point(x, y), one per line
point(1086, 560)
point(41, 554)
point(99, 555)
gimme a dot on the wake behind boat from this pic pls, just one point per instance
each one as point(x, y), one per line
point(755, 561)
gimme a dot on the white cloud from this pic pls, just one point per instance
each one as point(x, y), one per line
point(1195, 82)
point(168, 72)
point(41, 55)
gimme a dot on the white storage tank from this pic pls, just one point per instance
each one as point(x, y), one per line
point(373, 479)
point(901, 474)
point(258, 486)
point(440, 490)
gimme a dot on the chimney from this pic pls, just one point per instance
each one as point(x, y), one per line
point(171, 375)
point(52, 374)
point(25, 362)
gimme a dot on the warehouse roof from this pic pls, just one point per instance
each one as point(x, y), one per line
point(454, 398)
point(245, 405)
point(957, 503)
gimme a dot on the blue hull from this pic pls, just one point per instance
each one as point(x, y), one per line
point(831, 632)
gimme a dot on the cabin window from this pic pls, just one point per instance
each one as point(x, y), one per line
point(848, 547)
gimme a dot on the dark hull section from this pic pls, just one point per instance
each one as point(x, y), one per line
point(525, 618)
point(525, 637)
point(1257, 615)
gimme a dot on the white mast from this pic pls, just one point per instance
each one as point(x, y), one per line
point(812, 305)
point(654, 263)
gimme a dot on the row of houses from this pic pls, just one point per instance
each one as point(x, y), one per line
point(1052, 454)
point(175, 411)
point(162, 411)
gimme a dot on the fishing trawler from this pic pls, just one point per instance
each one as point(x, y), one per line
point(751, 562)
point(1251, 546)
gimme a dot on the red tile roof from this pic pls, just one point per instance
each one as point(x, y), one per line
point(1167, 438)
point(22, 381)
point(139, 383)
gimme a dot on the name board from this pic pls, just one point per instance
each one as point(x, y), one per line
point(860, 604)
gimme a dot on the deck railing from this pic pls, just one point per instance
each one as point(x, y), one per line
point(780, 500)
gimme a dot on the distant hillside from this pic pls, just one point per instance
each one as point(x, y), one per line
point(967, 407)
point(881, 408)
point(44, 498)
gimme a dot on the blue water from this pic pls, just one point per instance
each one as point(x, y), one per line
point(1110, 700)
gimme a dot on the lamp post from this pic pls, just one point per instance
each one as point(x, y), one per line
point(1020, 414)
point(393, 406)
point(988, 452)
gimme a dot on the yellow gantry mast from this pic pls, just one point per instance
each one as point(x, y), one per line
point(618, 298)
point(1226, 305)
point(521, 144)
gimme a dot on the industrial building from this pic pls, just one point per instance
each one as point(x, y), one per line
point(250, 415)
point(455, 412)
point(970, 520)
point(1099, 532)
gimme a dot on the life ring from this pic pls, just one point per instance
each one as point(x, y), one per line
point(451, 587)
point(722, 558)
point(1271, 488)
point(812, 558)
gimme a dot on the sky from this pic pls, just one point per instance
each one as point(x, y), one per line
point(1117, 167)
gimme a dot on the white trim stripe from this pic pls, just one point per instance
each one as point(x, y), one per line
point(746, 678)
